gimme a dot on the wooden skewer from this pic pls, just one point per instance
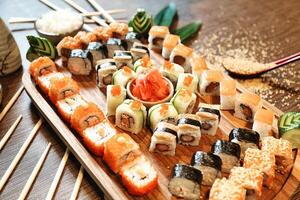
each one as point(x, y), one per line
point(10, 132)
point(34, 173)
point(77, 184)
point(105, 14)
point(20, 154)
point(82, 10)
point(11, 103)
point(57, 175)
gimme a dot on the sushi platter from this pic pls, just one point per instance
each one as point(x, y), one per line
point(141, 142)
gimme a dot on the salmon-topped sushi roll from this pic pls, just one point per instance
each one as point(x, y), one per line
point(139, 176)
point(181, 55)
point(61, 88)
point(170, 42)
point(66, 45)
point(66, 107)
point(118, 30)
point(41, 66)
point(226, 189)
point(246, 106)
point(121, 148)
point(156, 37)
point(227, 94)
point(103, 33)
point(263, 121)
point(86, 37)
point(95, 137)
point(85, 116)
point(44, 81)
point(198, 65)
point(210, 82)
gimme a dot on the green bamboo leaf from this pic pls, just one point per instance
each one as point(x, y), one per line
point(165, 16)
point(188, 30)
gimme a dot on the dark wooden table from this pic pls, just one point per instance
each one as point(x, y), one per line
point(273, 26)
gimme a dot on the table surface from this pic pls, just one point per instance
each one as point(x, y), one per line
point(268, 30)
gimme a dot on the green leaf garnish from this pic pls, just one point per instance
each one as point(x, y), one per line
point(165, 16)
point(188, 30)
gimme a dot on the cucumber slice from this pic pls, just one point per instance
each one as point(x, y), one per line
point(40, 47)
point(289, 127)
point(293, 136)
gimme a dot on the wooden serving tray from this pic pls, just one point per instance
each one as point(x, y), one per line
point(110, 183)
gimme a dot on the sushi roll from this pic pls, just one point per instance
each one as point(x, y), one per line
point(123, 58)
point(131, 116)
point(209, 118)
point(210, 82)
point(79, 62)
point(85, 116)
point(61, 88)
point(118, 30)
point(65, 46)
point(115, 95)
point(282, 149)
point(170, 42)
point(120, 149)
point(143, 65)
point(139, 176)
point(250, 179)
point(95, 137)
point(156, 37)
point(246, 138)
point(263, 121)
point(263, 161)
point(65, 107)
point(185, 182)
point(184, 101)
point(246, 106)
point(229, 153)
point(131, 38)
point(44, 81)
point(181, 55)
point(123, 76)
point(41, 66)
point(163, 139)
point(198, 65)
point(105, 69)
point(171, 71)
point(98, 52)
point(227, 94)
point(209, 164)
point(226, 189)
point(138, 51)
point(161, 112)
point(114, 44)
point(187, 81)
point(86, 38)
point(189, 132)
point(102, 33)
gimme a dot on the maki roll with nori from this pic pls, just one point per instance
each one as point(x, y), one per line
point(118, 30)
point(65, 46)
point(229, 152)
point(114, 44)
point(163, 139)
point(185, 182)
point(123, 58)
point(184, 101)
point(189, 132)
point(156, 37)
point(131, 116)
point(181, 55)
point(209, 118)
point(131, 38)
point(246, 138)
point(98, 51)
point(79, 62)
point(209, 164)
point(104, 72)
point(139, 50)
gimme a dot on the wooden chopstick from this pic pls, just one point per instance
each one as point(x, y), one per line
point(105, 14)
point(77, 184)
point(82, 10)
point(19, 155)
point(57, 175)
point(11, 103)
point(9, 132)
point(34, 173)
point(97, 13)
point(14, 20)
point(50, 4)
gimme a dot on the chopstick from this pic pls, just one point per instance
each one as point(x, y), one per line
point(11, 103)
point(57, 175)
point(77, 184)
point(9, 132)
point(34, 173)
point(95, 13)
point(284, 61)
point(106, 15)
point(19, 155)
point(296, 55)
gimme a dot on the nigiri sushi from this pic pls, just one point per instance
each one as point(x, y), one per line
point(79, 62)
point(170, 42)
point(263, 121)
point(119, 30)
point(226, 189)
point(41, 66)
point(210, 82)
point(189, 132)
point(227, 94)
point(181, 55)
point(156, 37)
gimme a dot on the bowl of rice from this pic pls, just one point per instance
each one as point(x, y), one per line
point(55, 25)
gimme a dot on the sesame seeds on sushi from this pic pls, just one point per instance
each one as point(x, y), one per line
point(156, 37)
point(170, 42)
point(181, 55)
point(226, 189)
point(263, 121)
point(210, 82)
point(189, 132)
